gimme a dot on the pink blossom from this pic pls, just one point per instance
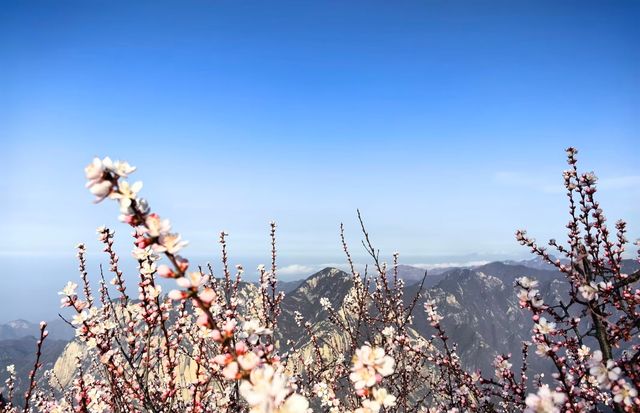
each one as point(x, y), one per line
point(231, 371)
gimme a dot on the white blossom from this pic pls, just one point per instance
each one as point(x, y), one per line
point(545, 401)
point(69, 289)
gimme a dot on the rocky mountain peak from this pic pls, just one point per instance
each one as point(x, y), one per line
point(20, 324)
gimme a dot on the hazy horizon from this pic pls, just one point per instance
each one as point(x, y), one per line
point(49, 273)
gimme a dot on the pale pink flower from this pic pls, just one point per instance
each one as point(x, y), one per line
point(126, 194)
point(177, 295)
point(432, 314)
point(267, 391)
point(583, 352)
point(155, 226)
point(526, 282)
point(363, 376)
point(171, 243)
point(252, 330)
point(248, 361)
point(153, 291)
point(142, 254)
point(545, 401)
point(368, 406)
point(229, 326)
point(502, 365)
point(207, 295)
point(165, 271)
point(203, 320)
point(80, 318)
point(383, 397)
point(100, 189)
point(589, 291)
point(95, 170)
point(230, 371)
point(624, 394)
point(369, 366)
point(223, 359)
point(545, 327)
point(542, 349)
point(69, 289)
point(295, 403)
point(120, 168)
point(604, 373)
point(192, 280)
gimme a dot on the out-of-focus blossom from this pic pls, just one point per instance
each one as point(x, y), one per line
point(267, 391)
point(95, 170)
point(248, 361)
point(542, 349)
point(369, 366)
point(171, 243)
point(589, 291)
point(295, 403)
point(623, 393)
point(155, 226)
point(207, 295)
point(383, 397)
point(177, 295)
point(231, 371)
point(126, 194)
point(192, 280)
point(368, 406)
point(166, 272)
point(142, 254)
point(80, 318)
point(120, 168)
point(101, 189)
point(252, 330)
point(605, 373)
point(544, 401)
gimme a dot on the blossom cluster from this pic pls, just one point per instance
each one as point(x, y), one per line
point(213, 343)
point(601, 310)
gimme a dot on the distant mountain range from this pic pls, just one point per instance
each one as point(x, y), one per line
point(479, 306)
point(58, 330)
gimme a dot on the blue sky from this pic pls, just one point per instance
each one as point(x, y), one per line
point(444, 122)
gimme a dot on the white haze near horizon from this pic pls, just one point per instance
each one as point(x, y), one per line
point(36, 279)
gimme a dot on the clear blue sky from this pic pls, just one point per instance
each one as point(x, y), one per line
point(444, 122)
